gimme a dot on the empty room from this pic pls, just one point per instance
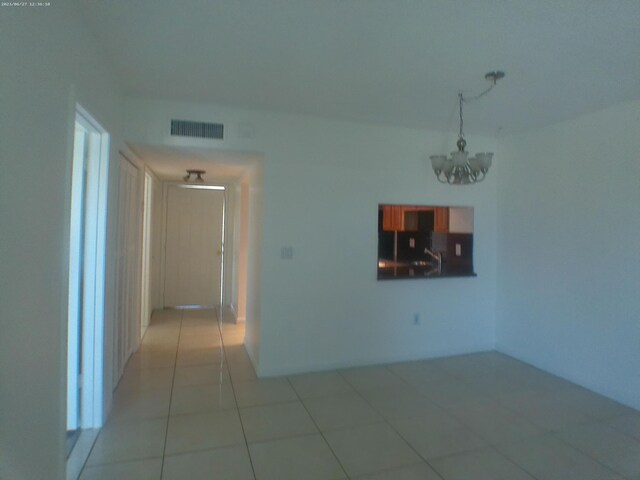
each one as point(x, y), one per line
point(320, 240)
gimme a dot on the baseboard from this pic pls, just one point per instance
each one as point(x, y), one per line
point(568, 376)
point(310, 368)
point(80, 452)
point(252, 359)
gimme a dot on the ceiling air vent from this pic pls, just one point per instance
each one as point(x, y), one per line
point(186, 128)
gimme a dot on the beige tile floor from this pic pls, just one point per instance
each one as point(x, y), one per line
point(190, 406)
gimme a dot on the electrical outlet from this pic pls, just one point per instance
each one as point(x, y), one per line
point(286, 253)
point(458, 249)
point(416, 319)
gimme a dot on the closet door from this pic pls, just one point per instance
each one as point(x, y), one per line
point(127, 321)
point(193, 252)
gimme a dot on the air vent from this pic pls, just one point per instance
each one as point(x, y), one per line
point(185, 128)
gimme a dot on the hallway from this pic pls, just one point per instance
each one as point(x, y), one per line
point(176, 396)
point(189, 406)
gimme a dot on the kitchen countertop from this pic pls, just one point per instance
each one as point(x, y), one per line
point(410, 270)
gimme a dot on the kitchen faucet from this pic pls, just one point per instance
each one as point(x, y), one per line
point(437, 256)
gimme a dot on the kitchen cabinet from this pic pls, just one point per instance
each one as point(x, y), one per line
point(441, 219)
point(393, 218)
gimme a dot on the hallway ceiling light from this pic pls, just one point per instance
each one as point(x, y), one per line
point(197, 174)
point(458, 169)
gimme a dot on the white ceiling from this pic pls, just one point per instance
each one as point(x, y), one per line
point(392, 61)
point(171, 163)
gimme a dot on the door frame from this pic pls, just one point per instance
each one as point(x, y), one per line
point(94, 232)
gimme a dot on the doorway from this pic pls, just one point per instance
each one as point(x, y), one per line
point(194, 249)
point(87, 248)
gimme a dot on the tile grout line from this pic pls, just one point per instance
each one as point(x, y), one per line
point(489, 444)
point(586, 454)
point(318, 428)
point(496, 400)
point(219, 318)
point(385, 420)
point(95, 440)
point(86, 460)
point(513, 462)
point(173, 381)
point(545, 430)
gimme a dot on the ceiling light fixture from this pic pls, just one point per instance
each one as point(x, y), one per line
point(197, 174)
point(458, 169)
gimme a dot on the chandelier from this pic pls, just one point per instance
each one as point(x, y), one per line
point(459, 169)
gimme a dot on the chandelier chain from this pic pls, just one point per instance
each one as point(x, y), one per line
point(491, 76)
point(461, 99)
point(480, 95)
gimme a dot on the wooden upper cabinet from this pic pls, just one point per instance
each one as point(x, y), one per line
point(441, 220)
point(392, 218)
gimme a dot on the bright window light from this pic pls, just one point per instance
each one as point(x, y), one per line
point(204, 187)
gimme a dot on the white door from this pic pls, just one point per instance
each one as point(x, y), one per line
point(127, 324)
point(194, 246)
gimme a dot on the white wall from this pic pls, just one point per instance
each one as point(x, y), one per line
point(234, 217)
point(569, 262)
point(44, 51)
point(323, 181)
point(252, 257)
point(229, 246)
point(239, 215)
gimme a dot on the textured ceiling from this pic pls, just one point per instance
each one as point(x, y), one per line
point(399, 62)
